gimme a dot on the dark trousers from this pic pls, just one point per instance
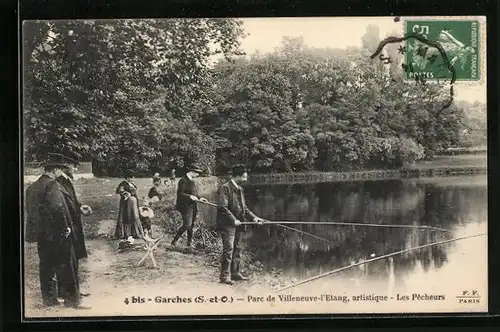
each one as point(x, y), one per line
point(68, 281)
point(59, 272)
point(47, 269)
point(188, 219)
point(231, 250)
point(146, 223)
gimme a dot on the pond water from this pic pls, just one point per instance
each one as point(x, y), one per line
point(457, 204)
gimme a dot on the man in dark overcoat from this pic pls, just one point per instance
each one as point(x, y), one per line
point(231, 212)
point(186, 204)
point(48, 223)
point(76, 210)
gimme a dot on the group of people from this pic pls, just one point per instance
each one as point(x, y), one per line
point(232, 214)
point(54, 222)
point(232, 217)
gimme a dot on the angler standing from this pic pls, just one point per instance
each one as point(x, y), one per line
point(69, 271)
point(232, 211)
point(187, 197)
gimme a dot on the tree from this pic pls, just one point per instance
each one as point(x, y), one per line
point(474, 132)
point(143, 95)
point(301, 108)
point(371, 38)
point(255, 116)
point(90, 84)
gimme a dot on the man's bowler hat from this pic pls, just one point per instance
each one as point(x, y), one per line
point(238, 170)
point(59, 159)
point(195, 168)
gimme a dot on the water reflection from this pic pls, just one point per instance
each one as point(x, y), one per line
point(431, 203)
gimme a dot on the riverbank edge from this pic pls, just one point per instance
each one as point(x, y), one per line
point(312, 177)
point(401, 173)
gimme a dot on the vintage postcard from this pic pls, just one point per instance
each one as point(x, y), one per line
point(325, 165)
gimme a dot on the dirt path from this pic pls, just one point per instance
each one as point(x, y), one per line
point(110, 277)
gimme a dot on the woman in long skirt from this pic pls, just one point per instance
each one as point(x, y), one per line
point(128, 223)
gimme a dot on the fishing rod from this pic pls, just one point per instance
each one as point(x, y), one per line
point(273, 223)
point(210, 204)
point(360, 224)
point(267, 222)
point(339, 223)
point(280, 223)
point(375, 259)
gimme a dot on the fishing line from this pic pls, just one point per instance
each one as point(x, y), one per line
point(373, 260)
point(339, 223)
point(280, 224)
point(360, 224)
point(273, 223)
point(296, 230)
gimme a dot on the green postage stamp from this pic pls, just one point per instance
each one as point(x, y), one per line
point(460, 42)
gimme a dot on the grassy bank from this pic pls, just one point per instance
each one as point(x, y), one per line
point(441, 166)
point(465, 160)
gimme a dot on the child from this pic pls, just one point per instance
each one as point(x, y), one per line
point(172, 176)
point(156, 177)
point(145, 215)
point(154, 192)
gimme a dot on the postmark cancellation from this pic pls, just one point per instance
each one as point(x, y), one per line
point(445, 49)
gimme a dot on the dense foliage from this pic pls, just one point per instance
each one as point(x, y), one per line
point(144, 96)
point(125, 94)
